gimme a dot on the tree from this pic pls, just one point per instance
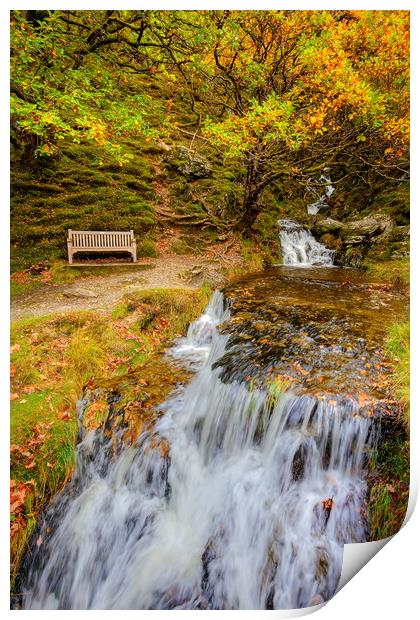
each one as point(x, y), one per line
point(280, 93)
point(298, 91)
point(77, 75)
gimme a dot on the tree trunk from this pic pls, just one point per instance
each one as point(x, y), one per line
point(250, 208)
point(257, 179)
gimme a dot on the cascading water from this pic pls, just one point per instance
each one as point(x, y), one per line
point(299, 248)
point(249, 508)
point(322, 201)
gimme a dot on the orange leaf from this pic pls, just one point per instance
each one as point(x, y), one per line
point(328, 503)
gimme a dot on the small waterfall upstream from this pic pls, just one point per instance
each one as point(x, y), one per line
point(299, 248)
point(322, 200)
point(248, 509)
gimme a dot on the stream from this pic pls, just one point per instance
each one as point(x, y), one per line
point(253, 478)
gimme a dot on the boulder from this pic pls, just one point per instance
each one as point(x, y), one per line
point(353, 240)
point(188, 162)
point(326, 226)
point(366, 227)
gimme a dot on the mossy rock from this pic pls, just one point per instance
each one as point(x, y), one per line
point(323, 226)
point(353, 257)
point(189, 163)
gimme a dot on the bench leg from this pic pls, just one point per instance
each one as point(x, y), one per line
point(70, 253)
point(134, 254)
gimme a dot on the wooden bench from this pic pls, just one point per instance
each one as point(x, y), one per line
point(101, 241)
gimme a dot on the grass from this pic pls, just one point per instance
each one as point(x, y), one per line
point(386, 515)
point(253, 259)
point(147, 247)
point(391, 461)
point(395, 272)
point(52, 359)
point(82, 190)
point(398, 345)
point(176, 307)
point(388, 496)
point(19, 288)
point(181, 246)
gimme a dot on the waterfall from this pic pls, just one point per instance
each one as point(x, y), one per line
point(299, 248)
point(322, 201)
point(249, 508)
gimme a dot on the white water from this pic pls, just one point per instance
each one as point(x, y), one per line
point(229, 521)
point(300, 248)
point(321, 202)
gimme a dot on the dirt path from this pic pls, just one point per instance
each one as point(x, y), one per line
point(100, 292)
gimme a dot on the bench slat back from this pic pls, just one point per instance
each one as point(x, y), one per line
point(101, 239)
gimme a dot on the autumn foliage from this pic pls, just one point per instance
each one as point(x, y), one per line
point(283, 94)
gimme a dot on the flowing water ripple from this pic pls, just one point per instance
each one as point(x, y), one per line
point(250, 508)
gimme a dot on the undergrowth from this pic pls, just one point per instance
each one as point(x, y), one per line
point(390, 478)
point(398, 345)
point(395, 271)
point(83, 190)
point(52, 359)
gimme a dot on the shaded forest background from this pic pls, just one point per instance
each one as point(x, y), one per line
point(213, 121)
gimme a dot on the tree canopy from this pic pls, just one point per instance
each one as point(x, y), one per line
point(282, 93)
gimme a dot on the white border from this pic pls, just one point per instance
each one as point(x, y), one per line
point(388, 585)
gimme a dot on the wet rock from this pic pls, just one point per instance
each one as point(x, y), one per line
point(82, 293)
point(366, 227)
point(188, 162)
point(389, 420)
point(298, 465)
point(353, 240)
point(326, 225)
